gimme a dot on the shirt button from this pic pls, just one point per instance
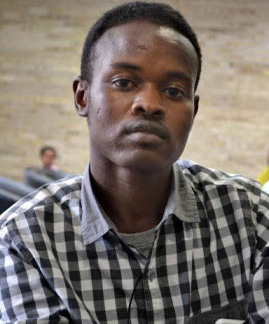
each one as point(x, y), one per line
point(151, 275)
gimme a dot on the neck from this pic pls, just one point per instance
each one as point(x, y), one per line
point(133, 200)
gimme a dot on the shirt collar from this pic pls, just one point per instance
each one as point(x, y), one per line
point(181, 203)
point(93, 223)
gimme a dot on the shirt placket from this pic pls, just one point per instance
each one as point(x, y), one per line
point(150, 283)
point(143, 286)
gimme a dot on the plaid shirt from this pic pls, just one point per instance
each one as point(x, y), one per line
point(60, 262)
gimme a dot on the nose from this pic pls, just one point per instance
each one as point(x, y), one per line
point(148, 102)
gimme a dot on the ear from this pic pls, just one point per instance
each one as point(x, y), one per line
point(196, 104)
point(80, 89)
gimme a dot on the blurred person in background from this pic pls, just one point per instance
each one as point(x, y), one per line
point(48, 156)
point(49, 170)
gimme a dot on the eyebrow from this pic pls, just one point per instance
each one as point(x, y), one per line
point(172, 74)
point(123, 65)
point(179, 75)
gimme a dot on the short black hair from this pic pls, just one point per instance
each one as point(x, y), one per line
point(158, 13)
point(46, 148)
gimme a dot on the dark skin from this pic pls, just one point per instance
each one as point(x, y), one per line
point(140, 107)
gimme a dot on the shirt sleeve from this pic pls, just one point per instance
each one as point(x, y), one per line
point(25, 296)
point(259, 294)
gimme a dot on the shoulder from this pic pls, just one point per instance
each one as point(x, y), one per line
point(215, 185)
point(225, 193)
point(203, 177)
point(56, 195)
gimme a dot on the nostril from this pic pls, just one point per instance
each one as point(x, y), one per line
point(147, 109)
point(158, 112)
point(140, 109)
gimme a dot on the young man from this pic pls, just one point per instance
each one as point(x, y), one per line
point(140, 238)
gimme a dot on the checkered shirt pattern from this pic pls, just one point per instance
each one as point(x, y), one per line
point(196, 270)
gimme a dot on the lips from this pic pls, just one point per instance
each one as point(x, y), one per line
point(147, 127)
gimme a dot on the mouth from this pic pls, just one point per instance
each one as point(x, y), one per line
point(146, 127)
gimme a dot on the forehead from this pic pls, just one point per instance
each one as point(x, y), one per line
point(49, 152)
point(141, 37)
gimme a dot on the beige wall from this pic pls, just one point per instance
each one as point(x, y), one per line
point(40, 52)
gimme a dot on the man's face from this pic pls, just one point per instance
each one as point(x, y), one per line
point(141, 102)
point(48, 158)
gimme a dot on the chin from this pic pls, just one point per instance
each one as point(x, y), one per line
point(146, 162)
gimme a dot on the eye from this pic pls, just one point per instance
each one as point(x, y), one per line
point(174, 92)
point(123, 83)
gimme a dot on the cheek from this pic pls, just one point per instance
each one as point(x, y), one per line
point(99, 109)
point(182, 123)
point(104, 118)
point(109, 109)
